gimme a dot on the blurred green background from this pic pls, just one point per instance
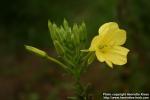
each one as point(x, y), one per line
point(24, 76)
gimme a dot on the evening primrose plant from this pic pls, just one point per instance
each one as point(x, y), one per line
point(71, 45)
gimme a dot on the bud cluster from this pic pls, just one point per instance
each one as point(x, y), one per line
point(69, 42)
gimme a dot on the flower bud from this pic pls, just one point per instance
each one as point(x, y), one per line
point(60, 50)
point(36, 51)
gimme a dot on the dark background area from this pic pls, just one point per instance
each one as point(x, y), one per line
point(24, 76)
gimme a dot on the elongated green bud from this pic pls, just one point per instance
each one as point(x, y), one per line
point(67, 30)
point(66, 26)
point(36, 51)
point(76, 34)
point(49, 24)
point(44, 54)
point(83, 33)
point(55, 32)
point(52, 31)
point(60, 50)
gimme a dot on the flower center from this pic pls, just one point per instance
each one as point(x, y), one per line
point(102, 46)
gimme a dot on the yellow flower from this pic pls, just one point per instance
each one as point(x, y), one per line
point(108, 45)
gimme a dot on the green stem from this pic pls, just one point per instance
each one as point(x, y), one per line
point(78, 86)
point(59, 63)
point(81, 90)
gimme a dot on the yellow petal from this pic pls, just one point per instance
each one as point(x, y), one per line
point(111, 34)
point(107, 26)
point(109, 63)
point(117, 55)
point(94, 44)
point(100, 56)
